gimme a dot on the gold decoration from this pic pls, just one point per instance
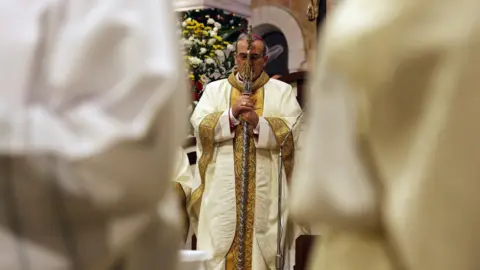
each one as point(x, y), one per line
point(312, 10)
point(281, 130)
point(258, 83)
point(206, 136)
point(231, 260)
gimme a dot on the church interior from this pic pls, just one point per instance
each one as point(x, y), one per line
point(239, 135)
point(288, 27)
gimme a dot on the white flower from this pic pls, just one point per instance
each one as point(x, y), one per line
point(211, 41)
point(215, 29)
point(209, 61)
point(218, 25)
point(187, 42)
point(191, 38)
point(219, 53)
point(188, 20)
point(203, 51)
point(211, 21)
point(194, 61)
point(184, 24)
point(230, 47)
point(213, 33)
point(204, 79)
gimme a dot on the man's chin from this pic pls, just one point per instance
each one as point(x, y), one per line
point(257, 76)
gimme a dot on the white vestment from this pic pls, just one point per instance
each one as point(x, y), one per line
point(92, 93)
point(393, 160)
point(218, 214)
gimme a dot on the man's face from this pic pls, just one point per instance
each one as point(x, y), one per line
point(257, 57)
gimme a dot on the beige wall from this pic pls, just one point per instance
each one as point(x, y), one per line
point(297, 8)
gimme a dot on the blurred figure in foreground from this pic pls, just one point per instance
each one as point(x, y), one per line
point(183, 190)
point(393, 161)
point(91, 92)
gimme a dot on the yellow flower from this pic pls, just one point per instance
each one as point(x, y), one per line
point(191, 76)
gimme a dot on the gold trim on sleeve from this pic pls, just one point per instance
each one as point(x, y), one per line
point(206, 139)
point(281, 130)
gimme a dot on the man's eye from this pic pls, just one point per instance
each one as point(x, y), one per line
point(253, 56)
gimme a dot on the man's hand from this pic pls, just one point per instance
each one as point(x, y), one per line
point(243, 104)
point(251, 117)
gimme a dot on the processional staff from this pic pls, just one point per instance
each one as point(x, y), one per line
point(247, 75)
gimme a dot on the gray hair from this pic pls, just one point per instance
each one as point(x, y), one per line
point(244, 36)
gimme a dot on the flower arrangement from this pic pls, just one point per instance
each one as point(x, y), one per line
point(208, 54)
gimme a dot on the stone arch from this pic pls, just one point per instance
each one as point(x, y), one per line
point(270, 18)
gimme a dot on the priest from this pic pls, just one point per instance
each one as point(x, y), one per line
point(392, 165)
point(269, 112)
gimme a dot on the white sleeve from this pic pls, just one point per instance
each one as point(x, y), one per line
point(223, 130)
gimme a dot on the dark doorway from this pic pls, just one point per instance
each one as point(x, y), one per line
point(278, 53)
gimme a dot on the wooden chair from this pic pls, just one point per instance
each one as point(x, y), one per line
point(298, 80)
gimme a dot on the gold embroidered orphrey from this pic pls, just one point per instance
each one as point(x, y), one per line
point(206, 135)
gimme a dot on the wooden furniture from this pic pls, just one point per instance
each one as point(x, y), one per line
point(299, 80)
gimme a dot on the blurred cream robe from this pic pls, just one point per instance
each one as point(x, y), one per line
point(183, 189)
point(216, 189)
point(393, 161)
point(92, 93)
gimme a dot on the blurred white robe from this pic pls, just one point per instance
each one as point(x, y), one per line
point(393, 160)
point(183, 188)
point(92, 93)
